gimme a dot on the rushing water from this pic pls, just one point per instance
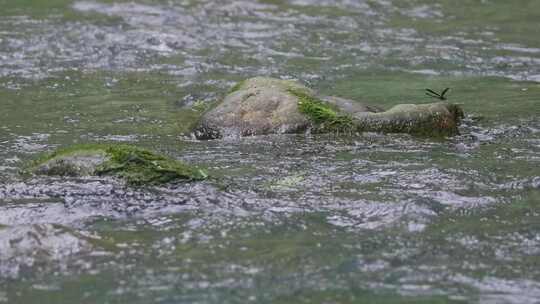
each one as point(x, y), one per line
point(286, 219)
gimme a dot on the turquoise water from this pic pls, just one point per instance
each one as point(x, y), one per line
point(287, 219)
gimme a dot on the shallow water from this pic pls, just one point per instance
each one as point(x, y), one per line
point(285, 219)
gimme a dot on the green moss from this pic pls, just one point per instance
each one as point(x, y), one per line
point(326, 117)
point(236, 87)
point(135, 165)
point(80, 149)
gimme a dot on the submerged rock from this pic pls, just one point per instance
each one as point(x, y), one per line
point(134, 165)
point(261, 105)
point(30, 245)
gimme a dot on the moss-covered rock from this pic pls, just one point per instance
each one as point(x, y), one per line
point(134, 165)
point(263, 105)
point(434, 119)
point(324, 116)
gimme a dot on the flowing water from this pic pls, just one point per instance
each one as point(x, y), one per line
point(370, 218)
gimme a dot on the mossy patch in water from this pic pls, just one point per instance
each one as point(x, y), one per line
point(236, 87)
point(289, 182)
point(135, 165)
point(324, 115)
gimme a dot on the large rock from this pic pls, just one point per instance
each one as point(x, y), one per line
point(254, 107)
point(260, 105)
point(134, 165)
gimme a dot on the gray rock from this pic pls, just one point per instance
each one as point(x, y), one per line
point(260, 105)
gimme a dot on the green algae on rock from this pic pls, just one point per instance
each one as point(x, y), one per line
point(327, 117)
point(262, 105)
point(135, 165)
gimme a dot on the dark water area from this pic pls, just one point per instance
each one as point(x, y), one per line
point(369, 218)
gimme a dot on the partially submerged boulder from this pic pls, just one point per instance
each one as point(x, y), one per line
point(254, 107)
point(134, 165)
point(261, 105)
